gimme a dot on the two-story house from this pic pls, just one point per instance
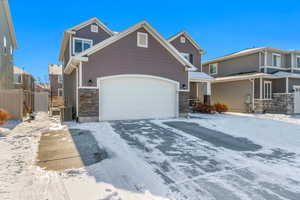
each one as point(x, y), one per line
point(133, 74)
point(7, 45)
point(56, 84)
point(26, 82)
point(262, 79)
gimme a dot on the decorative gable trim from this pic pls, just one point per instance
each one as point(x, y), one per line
point(189, 38)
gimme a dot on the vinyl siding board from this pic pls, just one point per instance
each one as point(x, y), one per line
point(189, 48)
point(234, 94)
point(243, 64)
point(292, 82)
point(124, 57)
point(278, 85)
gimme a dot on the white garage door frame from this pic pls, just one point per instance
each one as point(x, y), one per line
point(177, 85)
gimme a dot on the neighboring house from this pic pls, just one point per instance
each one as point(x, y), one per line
point(56, 80)
point(7, 45)
point(42, 87)
point(25, 81)
point(257, 80)
point(133, 74)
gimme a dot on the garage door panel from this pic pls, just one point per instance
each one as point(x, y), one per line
point(137, 98)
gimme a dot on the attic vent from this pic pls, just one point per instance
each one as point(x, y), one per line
point(182, 39)
point(94, 28)
point(142, 40)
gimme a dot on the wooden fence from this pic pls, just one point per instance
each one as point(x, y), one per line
point(41, 101)
point(13, 102)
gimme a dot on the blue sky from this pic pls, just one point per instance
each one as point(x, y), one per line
point(220, 27)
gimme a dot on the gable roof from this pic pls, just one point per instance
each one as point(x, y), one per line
point(71, 30)
point(192, 41)
point(10, 24)
point(248, 51)
point(149, 29)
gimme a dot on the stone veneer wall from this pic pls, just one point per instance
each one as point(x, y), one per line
point(88, 103)
point(280, 103)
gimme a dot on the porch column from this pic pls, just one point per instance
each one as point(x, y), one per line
point(207, 97)
point(260, 88)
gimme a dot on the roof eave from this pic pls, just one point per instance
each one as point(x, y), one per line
point(10, 24)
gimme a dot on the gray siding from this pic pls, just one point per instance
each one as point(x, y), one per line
point(187, 47)
point(86, 33)
point(243, 64)
point(234, 94)
point(54, 84)
point(279, 85)
point(69, 86)
point(292, 82)
point(124, 57)
point(6, 59)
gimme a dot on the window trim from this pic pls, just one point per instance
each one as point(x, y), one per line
point(216, 68)
point(296, 66)
point(265, 83)
point(138, 39)
point(94, 30)
point(182, 39)
point(83, 39)
point(276, 54)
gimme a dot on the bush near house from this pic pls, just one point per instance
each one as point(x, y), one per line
point(4, 116)
point(220, 107)
point(204, 108)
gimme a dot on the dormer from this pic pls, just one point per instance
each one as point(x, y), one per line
point(82, 37)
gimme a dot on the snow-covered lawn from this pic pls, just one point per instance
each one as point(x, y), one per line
point(151, 160)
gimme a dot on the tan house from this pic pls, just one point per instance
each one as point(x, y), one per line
point(26, 82)
point(56, 84)
point(262, 79)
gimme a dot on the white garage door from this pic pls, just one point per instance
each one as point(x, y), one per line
point(297, 99)
point(137, 97)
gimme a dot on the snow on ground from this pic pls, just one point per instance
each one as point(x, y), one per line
point(266, 130)
point(150, 160)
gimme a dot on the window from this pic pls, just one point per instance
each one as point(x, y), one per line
point(142, 40)
point(4, 45)
point(11, 50)
point(267, 90)
point(60, 92)
point(213, 68)
point(188, 56)
point(94, 29)
point(17, 78)
point(276, 60)
point(59, 78)
point(182, 39)
point(81, 45)
point(298, 61)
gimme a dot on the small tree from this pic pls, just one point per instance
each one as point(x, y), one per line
point(4, 116)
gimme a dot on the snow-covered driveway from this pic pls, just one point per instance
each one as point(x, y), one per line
point(196, 168)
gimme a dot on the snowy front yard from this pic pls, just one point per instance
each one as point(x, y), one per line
point(246, 157)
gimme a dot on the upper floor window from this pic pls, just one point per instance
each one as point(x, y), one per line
point(94, 28)
point(142, 40)
point(276, 60)
point(189, 57)
point(11, 50)
point(81, 45)
point(4, 45)
point(182, 39)
point(213, 68)
point(17, 78)
point(298, 61)
point(59, 78)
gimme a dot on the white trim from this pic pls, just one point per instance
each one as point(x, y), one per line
point(140, 76)
point(265, 92)
point(151, 31)
point(77, 95)
point(89, 87)
point(216, 68)
point(94, 28)
point(182, 39)
point(287, 85)
point(80, 74)
point(279, 55)
point(253, 93)
point(83, 40)
point(208, 88)
point(266, 58)
point(259, 59)
point(138, 37)
point(274, 67)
